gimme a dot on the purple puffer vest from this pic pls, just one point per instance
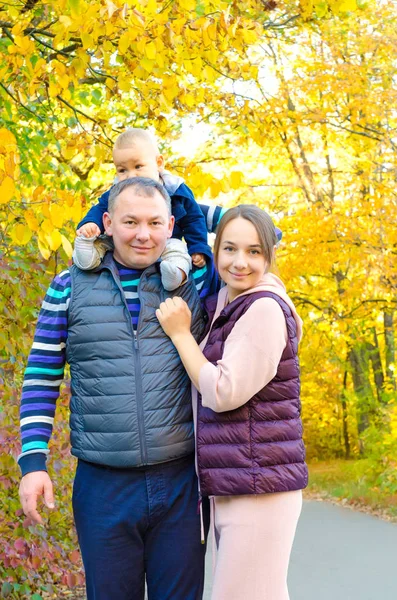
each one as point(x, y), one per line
point(256, 448)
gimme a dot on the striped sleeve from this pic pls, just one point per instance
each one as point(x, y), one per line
point(199, 277)
point(44, 375)
point(214, 215)
point(206, 279)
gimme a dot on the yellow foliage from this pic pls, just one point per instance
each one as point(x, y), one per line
point(7, 140)
point(67, 246)
point(236, 179)
point(56, 215)
point(54, 239)
point(7, 190)
point(21, 234)
point(31, 220)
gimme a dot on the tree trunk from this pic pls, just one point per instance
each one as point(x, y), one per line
point(359, 361)
point(376, 361)
point(389, 343)
point(344, 418)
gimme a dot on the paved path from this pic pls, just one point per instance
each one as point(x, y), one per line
point(339, 555)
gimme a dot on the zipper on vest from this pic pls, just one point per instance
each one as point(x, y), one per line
point(138, 379)
point(139, 401)
point(138, 385)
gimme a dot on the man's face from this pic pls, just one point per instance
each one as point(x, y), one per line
point(138, 160)
point(140, 227)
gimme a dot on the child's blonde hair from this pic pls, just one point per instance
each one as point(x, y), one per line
point(134, 135)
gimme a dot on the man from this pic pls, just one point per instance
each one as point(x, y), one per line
point(135, 492)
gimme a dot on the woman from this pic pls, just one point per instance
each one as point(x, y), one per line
point(250, 454)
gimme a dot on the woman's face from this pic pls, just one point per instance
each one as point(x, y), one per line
point(240, 263)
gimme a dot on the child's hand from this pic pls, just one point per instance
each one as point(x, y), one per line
point(198, 260)
point(89, 230)
point(174, 316)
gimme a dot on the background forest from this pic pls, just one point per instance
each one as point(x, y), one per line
point(289, 105)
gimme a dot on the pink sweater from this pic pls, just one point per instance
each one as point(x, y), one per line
point(252, 351)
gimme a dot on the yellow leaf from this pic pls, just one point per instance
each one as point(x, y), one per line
point(31, 220)
point(21, 234)
point(147, 64)
point(54, 89)
point(249, 36)
point(236, 178)
point(37, 193)
point(215, 187)
point(87, 40)
point(56, 215)
point(189, 100)
point(151, 8)
point(225, 185)
point(124, 43)
point(124, 84)
point(66, 94)
point(45, 252)
point(47, 226)
point(66, 21)
point(76, 211)
point(7, 190)
point(111, 8)
point(187, 4)
point(150, 50)
point(7, 138)
point(69, 152)
point(67, 246)
point(348, 6)
point(64, 80)
point(54, 240)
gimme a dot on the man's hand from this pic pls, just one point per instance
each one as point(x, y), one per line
point(89, 230)
point(198, 260)
point(32, 486)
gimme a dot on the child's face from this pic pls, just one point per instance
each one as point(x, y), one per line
point(138, 160)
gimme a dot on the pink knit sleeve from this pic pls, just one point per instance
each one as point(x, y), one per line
point(250, 359)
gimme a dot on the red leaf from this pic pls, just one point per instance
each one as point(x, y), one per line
point(74, 556)
point(71, 580)
point(20, 545)
point(36, 562)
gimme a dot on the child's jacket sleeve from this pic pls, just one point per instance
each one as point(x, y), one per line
point(190, 221)
point(95, 213)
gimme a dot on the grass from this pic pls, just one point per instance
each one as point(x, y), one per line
point(351, 482)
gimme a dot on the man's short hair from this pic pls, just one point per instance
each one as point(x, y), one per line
point(143, 186)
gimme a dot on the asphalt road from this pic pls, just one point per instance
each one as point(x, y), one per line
point(339, 554)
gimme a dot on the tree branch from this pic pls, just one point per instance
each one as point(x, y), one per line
point(36, 116)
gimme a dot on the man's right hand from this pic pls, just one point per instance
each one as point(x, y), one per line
point(32, 486)
point(89, 230)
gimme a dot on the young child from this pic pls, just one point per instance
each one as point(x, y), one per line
point(135, 154)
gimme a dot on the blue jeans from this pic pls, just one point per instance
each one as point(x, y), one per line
point(137, 523)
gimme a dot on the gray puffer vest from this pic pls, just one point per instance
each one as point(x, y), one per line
point(131, 399)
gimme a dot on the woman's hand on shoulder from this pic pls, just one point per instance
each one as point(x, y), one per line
point(174, 317)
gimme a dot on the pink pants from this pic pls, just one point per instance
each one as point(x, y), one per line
point(255, 536)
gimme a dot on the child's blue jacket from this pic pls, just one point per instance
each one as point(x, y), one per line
point(190, 222)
